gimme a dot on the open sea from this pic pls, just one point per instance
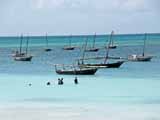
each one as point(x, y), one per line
point(134, 88)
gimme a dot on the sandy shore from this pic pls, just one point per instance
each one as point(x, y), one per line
point(84, 112)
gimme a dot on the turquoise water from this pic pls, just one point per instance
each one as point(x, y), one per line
point(132, 83)
point(128, 39)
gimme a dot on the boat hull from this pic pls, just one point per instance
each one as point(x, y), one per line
point(77, 72)
point(113, 47)
point(47, 49)
point(68, 48)
point(107, 65)
point(140, 58)
point(23, 58)
point(144, 59)
point(92, 50)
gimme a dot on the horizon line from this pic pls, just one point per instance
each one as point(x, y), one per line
point(76, 35)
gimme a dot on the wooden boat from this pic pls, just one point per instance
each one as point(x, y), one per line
point(47, 49)
point(139, 58)
point(106, 64)
point(93, 49)
point(70, 47)
point(23, 56)
point(143, 57)
point(19, 53)
point(86, 71)
point(76, 71)
point(103, 65)
point(112, 46)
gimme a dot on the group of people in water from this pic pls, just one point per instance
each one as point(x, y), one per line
point(60, 82)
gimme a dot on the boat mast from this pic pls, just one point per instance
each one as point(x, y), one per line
point(94, 39)
point(144, 46)
point(27, 45)
point(46, 41)
point(20, 47)
point(70, 40)
point(107, 50)
point(112, 37)
point(84, 50)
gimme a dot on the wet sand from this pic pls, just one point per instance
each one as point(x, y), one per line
point(84, 112)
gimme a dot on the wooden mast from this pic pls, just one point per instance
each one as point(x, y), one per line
point(46, 41)
point(107, 51)
point(94, 39)
point(144, 46)
point(84, 50)
point(20, 47)
point(70, 41)
point(47, 49)
point(111, 37)
point(27, 45)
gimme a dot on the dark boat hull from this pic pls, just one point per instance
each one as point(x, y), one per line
point(77, 72)
point(107, 65)
point(113, 47)
point(144, 59)
point(140, 58)
point(23, 58)
point(68, 48)
point(92, 50)
point(47, 49)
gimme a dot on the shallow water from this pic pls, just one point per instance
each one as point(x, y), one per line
point(133, 84)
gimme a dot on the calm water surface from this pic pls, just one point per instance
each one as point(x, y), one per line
point(132, 83)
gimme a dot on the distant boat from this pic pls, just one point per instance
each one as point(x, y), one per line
point(19, 53)
point(23, 56)
point(93, 48)
point(143, 56)
point(76, 71)
point(112, 46)
point(47, 49)
point(139, 58)
point(70, 47)
point(103, 65)
point(106, 64)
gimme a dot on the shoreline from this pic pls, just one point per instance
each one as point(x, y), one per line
point(81, 112)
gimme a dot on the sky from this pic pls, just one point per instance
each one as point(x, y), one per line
point(63, 17)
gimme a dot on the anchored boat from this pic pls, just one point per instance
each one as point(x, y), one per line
point(47, 49)
point(143, 57)
point(19, 56)
point(105, 64)
point(73, 70)
point(112, 46)
point(93, 48)
point(70, 47)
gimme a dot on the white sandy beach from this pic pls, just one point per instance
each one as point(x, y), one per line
point(81, 112)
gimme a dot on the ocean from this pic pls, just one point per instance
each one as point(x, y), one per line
point(133, 89)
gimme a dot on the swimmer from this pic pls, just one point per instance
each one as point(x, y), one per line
point(48, 83)
point(76, 80)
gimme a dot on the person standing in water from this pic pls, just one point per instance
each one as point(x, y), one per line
point(76, 80)
point(48, 83)
point(60, 81)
